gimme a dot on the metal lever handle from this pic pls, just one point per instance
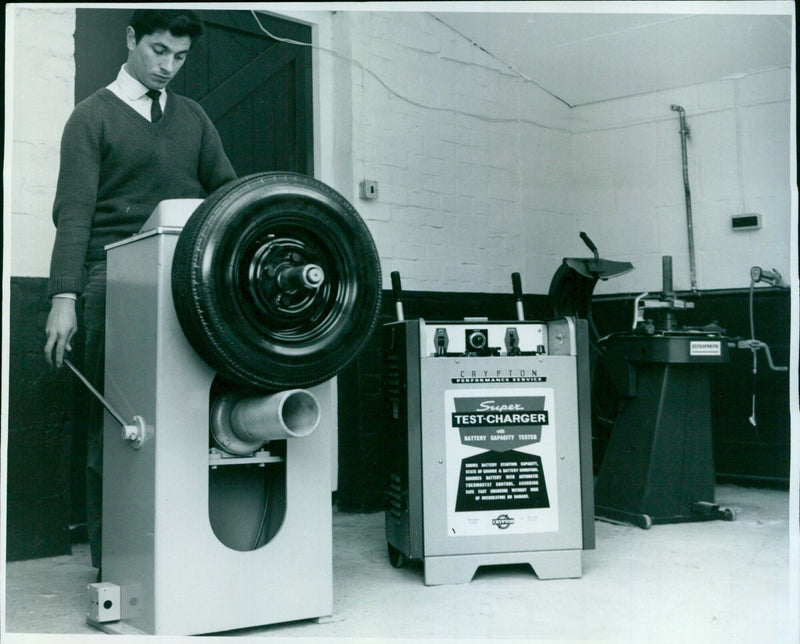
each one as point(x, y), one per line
point(590, 244)
point(96, 393)
point(516, 285)
point(135, 431)
point(397, 289)
point(755, 345)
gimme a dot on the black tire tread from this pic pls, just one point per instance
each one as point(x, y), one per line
point(194, 304)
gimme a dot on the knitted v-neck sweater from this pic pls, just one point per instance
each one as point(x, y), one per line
point(115, 168)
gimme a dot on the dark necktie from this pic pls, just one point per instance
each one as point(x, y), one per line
point(155, 108)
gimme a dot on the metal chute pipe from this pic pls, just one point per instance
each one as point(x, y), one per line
point(240, 426)
point(684, 131)
point(288, 414)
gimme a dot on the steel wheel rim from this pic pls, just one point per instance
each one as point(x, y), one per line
point(279, 319)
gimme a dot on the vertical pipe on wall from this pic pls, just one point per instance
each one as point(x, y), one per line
point(689, 226)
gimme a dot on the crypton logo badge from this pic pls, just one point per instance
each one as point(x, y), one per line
point(503, 521)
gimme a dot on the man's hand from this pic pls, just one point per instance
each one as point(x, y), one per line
point(62, 323)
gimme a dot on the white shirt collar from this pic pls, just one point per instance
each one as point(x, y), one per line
point(131, 87)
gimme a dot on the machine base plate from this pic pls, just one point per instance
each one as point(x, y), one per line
point(701, 511)
point(460, 569)
point(115, 628)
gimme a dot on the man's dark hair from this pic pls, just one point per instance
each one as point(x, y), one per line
point(178, 22)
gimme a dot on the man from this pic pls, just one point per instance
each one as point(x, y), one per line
point(124, 149)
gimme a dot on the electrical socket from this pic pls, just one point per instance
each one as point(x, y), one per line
point(368, 189)
point(104, 603)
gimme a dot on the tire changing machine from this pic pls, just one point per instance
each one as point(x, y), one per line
point(217, 494)
point(658, 466)
point(488, 445)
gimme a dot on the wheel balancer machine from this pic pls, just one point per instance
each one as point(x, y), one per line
point(226, 321)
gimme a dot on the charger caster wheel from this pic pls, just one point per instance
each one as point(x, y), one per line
point(728, 514)
point(276, 281)
point(396, 558)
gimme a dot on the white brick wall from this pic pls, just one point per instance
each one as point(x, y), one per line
point(40, 69)
point(465, 201)
point(461, 169)
point(480, 174)
point(629, 194)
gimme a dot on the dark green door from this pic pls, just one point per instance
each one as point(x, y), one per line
point(256, 90)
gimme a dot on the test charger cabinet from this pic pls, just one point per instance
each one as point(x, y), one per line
point(488, 446)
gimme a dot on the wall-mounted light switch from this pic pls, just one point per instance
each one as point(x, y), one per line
point(368, 189)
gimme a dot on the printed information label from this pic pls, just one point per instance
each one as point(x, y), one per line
point(501, 461)
point(491, 481)
point(705, 348)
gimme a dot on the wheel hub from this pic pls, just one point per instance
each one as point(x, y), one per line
point(285, 281)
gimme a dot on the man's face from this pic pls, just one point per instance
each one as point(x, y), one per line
point(156, 58)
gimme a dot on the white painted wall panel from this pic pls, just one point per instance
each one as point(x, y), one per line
point(40, 72)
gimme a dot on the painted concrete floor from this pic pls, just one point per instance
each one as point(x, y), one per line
point(693, 582)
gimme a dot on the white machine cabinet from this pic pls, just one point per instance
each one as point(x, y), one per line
point(185, 530)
